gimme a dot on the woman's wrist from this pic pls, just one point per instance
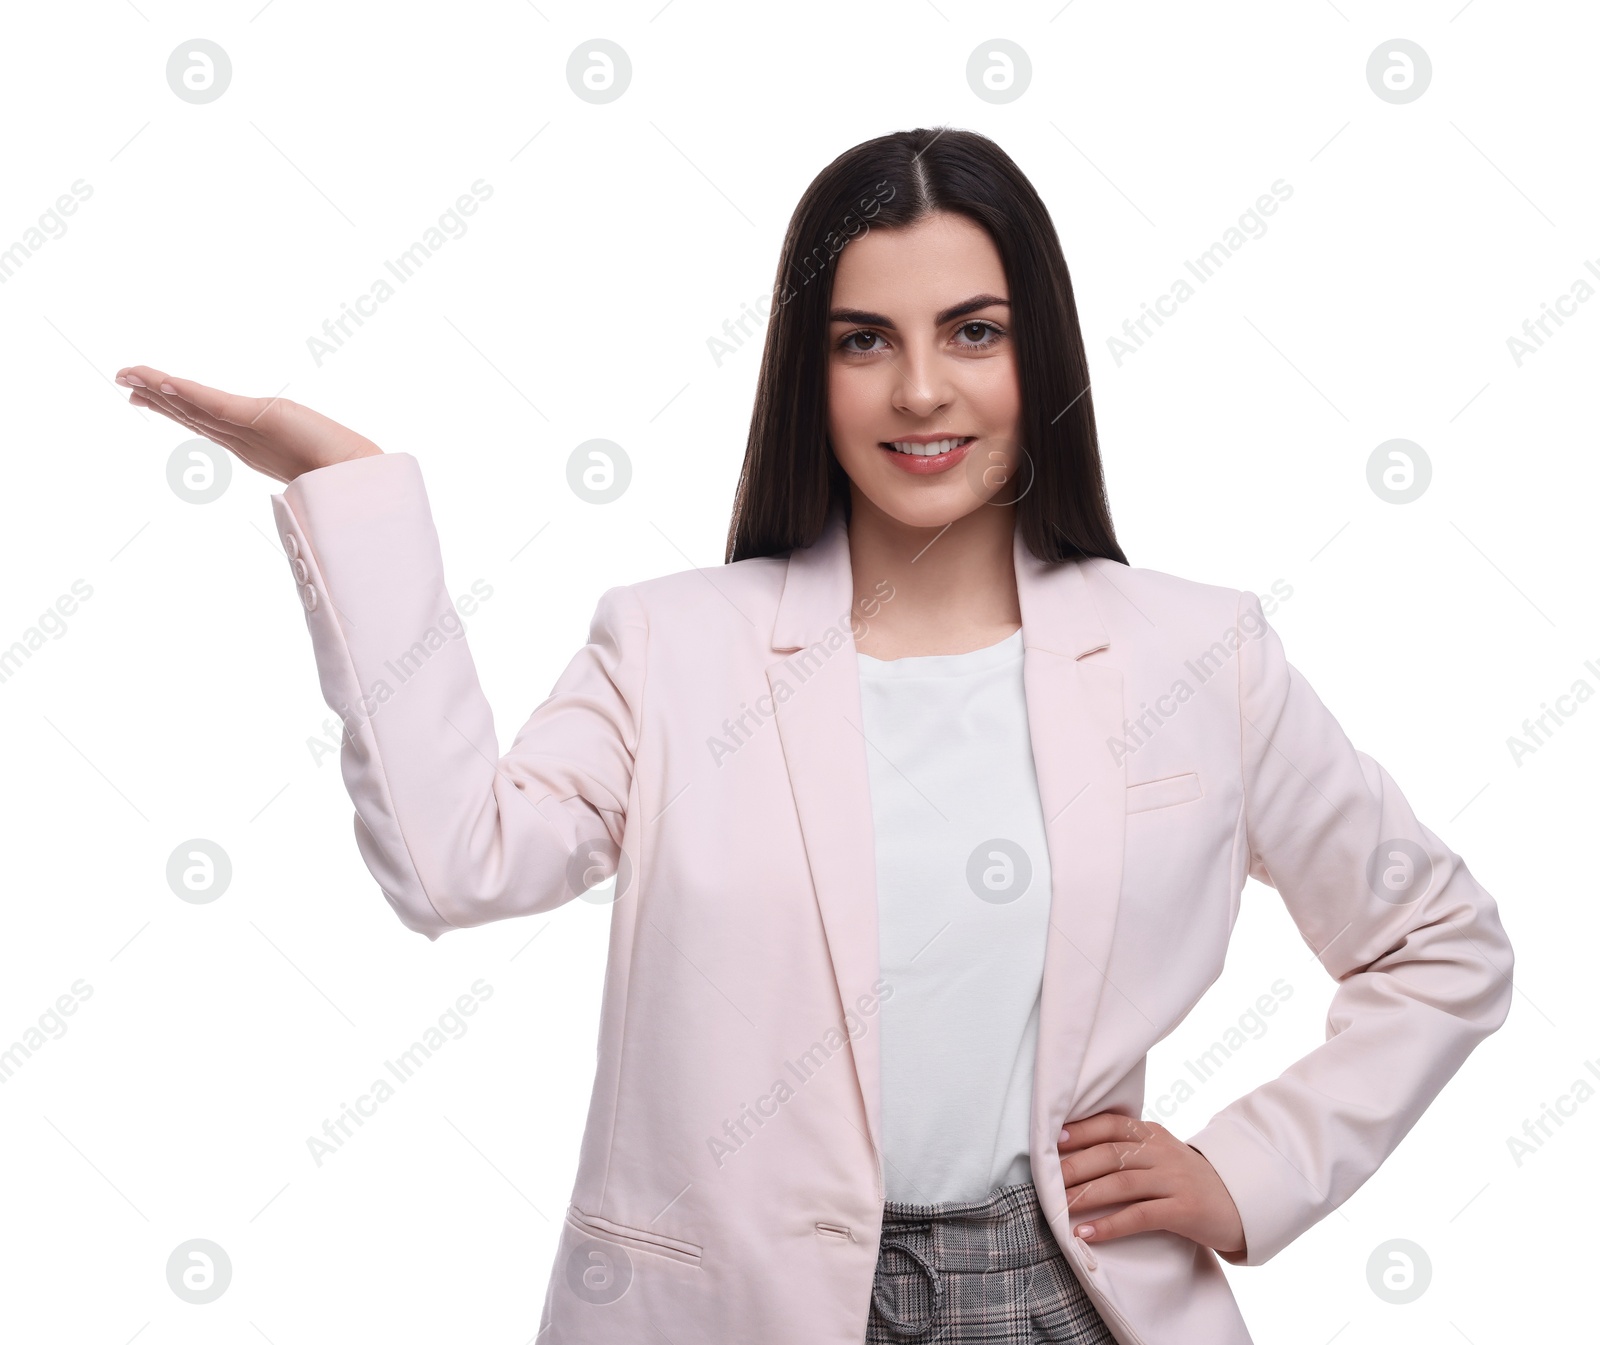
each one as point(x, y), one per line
point(366, 451)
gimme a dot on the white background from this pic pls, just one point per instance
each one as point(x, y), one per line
point(181, 699)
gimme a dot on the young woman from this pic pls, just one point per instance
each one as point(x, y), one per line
point(928, 815)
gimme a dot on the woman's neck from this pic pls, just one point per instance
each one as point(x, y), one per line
point(945, 589)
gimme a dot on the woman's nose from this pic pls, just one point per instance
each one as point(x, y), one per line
point(921, 385)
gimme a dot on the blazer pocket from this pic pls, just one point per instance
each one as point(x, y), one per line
point(640, 1239)
point(1163, 793)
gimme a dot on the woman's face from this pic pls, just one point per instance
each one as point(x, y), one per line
point(920, 349)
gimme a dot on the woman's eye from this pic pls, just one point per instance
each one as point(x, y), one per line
point(860, 342)
point(981, 328)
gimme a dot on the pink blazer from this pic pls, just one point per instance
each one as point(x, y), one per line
point(707, 739)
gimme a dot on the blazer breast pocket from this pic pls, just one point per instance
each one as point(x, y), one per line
point(1164, 793)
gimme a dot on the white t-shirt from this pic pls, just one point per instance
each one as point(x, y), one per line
point(963, 910)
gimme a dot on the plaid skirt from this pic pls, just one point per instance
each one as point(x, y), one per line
point(978, 1272)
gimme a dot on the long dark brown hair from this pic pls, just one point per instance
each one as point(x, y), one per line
point(791, 479)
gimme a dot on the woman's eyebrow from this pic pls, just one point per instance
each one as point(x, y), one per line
point(866, 319)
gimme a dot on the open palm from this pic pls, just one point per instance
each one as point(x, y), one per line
point(277, 437)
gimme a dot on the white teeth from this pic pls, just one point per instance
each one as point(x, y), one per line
point(930, 450)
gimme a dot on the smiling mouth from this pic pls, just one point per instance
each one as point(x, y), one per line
point(932, 450)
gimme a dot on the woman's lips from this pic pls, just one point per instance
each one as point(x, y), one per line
point(919, 464)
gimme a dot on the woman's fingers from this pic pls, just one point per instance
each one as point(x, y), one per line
point(1139, 1217)
point(209, 412)
point(1109, 1157)
point(274, 435)
point(1111, 1184)
point(1104, 1172)
point(247, 453)
point(222, 408)
point(149, 383)
point(1106, 1125)
point(1106, 1134)
point(1128, 1184)
point(1161, 1181)
point(175, 408)
point(216, 434)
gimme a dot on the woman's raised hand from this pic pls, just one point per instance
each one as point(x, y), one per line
point(272, 434)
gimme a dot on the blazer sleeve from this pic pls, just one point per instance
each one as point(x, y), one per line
point(1414, 941)
point(455, 833)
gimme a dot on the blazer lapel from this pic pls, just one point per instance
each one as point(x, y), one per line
point(816, 693)
point(1073, 708)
